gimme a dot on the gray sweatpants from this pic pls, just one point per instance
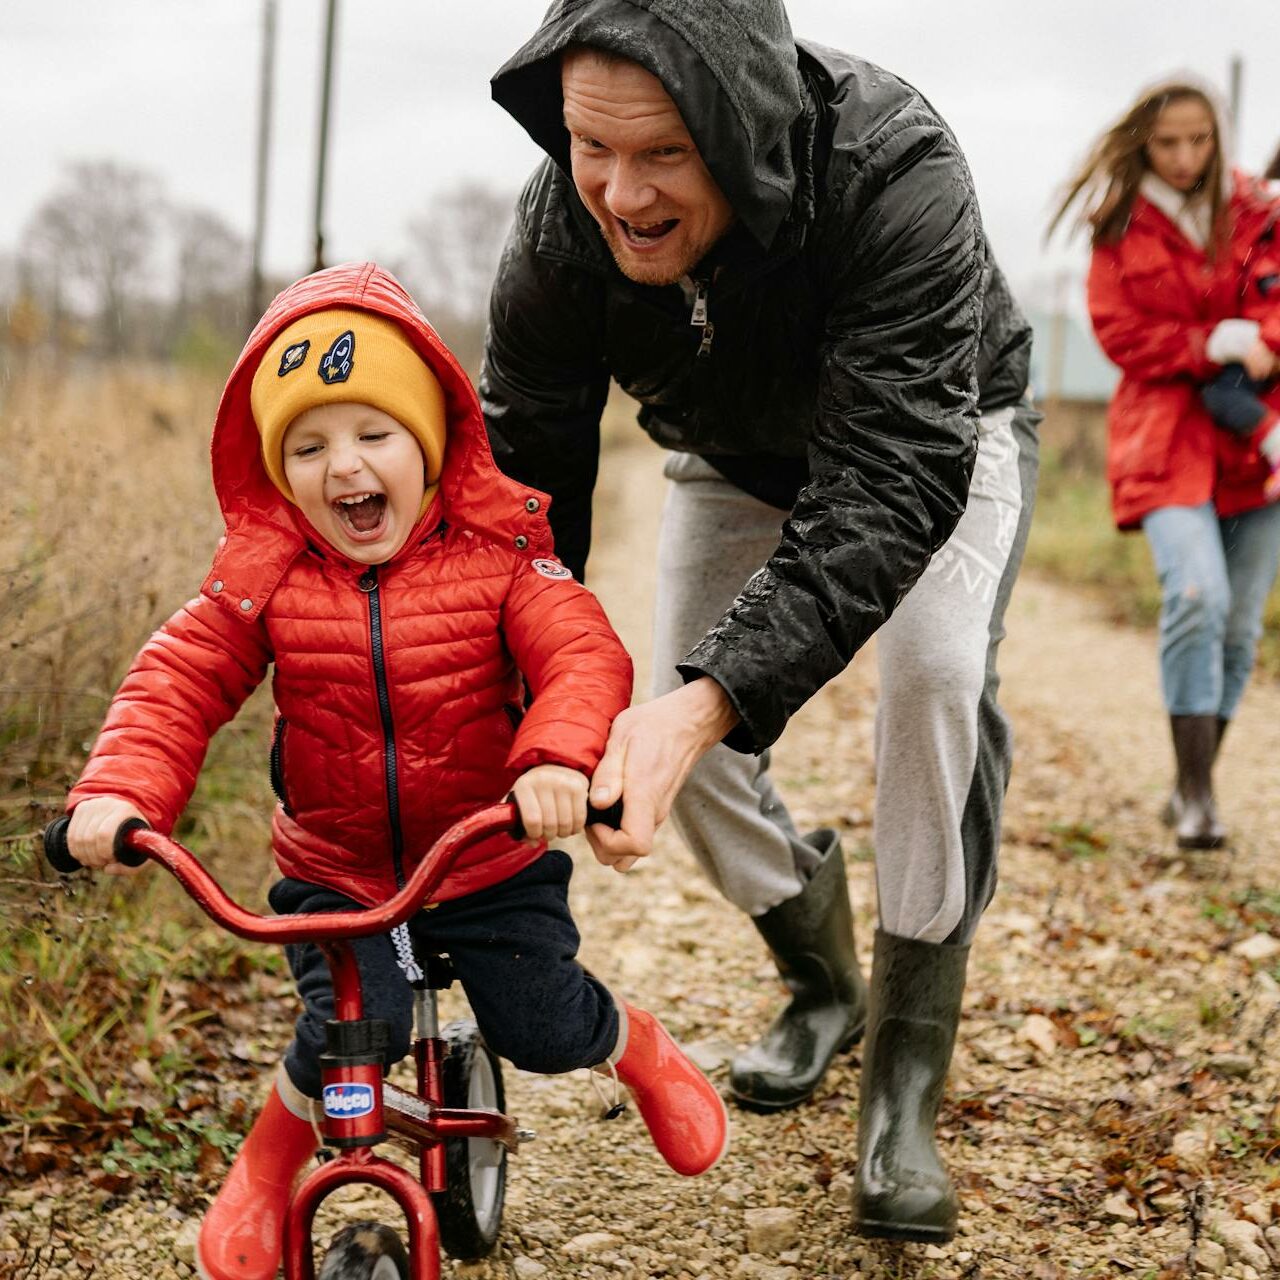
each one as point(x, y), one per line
point(943, 746)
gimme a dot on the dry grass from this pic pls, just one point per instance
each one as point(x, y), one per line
point(111, 525)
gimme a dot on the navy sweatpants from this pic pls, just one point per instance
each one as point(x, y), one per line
point(513, 946)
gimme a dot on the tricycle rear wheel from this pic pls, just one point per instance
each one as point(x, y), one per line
point(469, 1210)
point(365, 1251)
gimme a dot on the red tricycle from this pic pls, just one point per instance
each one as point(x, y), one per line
point(454, 1122)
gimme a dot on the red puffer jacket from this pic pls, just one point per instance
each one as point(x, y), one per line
point(398, 688)
point(1154, 299)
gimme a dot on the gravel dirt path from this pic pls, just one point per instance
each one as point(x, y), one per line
point(1112, 1108)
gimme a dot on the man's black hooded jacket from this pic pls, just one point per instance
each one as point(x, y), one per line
point(856, 324)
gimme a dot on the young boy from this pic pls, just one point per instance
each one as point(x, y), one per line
point(402, 587)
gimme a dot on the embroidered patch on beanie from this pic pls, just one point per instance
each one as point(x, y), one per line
point(336, 363)
point(293, 357)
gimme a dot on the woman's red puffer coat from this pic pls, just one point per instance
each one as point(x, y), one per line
point(398, 689)
point(1154, 299)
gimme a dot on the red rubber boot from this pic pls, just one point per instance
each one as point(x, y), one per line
point(242, 1234)
point(683, 1112)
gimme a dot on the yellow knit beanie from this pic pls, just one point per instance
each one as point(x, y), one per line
point(352, 357)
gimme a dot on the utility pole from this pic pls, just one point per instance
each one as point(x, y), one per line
point(257, 303)
point(325, 96)
point(1237, 83)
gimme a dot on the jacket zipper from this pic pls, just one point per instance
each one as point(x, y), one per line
point(276, 764)
point(368, 583)
point(698, 317)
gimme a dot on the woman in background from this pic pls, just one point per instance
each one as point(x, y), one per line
point(1177, 239)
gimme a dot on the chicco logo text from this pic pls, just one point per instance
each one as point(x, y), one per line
point(347, 1101)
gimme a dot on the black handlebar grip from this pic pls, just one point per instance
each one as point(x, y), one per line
point(62, 860)
point(55, 847)
point(610, 817)
point(121, 850)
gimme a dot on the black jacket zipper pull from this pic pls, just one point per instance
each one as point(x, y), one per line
point(368, 580)
point(699, 317)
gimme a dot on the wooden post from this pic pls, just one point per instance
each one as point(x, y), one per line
point(325, 98)
point(257, 303)
point(1237, 85)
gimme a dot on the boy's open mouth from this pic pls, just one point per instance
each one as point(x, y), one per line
point(362, 513)
point(643, 234)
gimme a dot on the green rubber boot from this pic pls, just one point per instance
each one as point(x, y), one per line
point(902, 1191)
point(810, 938)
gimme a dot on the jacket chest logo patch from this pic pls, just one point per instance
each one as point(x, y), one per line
point(293, 357)
point(336, 363)
point(551, 569)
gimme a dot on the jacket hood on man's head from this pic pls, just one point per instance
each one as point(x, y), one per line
point(729, 65)
point(472, 489)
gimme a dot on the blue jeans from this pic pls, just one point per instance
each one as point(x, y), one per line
point(1214, 575)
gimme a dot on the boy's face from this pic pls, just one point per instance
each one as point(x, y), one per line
point(358, 476)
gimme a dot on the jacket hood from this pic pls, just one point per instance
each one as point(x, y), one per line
point(265, 532)
point(730, 66)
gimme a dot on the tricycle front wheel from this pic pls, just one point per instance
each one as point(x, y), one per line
point(469, 1210)
point(365, 1251)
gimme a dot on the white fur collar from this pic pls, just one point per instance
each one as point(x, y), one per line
point(1190, 214)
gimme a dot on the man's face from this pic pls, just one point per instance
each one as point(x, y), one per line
point(638, 171)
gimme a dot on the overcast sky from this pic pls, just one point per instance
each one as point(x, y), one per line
point(171, 86)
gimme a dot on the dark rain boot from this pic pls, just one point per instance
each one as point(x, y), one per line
point(901, 1191)
point(810, 938)
point(1195, 746)
point(1172, 809)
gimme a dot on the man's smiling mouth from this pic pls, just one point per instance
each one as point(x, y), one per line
point(644, 234)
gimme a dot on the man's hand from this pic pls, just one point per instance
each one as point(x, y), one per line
point(552, 800)
point(92, 833)
point(651, 749)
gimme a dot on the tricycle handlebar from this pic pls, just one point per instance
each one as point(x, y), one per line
point(136, 843)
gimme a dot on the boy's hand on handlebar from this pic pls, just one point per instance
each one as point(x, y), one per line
point(552, 800)
point(91, 835)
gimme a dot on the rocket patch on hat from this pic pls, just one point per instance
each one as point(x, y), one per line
point(293, 357)
point(336, 363)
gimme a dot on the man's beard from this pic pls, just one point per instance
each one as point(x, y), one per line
point(637, 269)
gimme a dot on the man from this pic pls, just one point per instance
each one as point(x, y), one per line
point(777, 251)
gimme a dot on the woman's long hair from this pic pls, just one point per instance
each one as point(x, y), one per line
point(1108, 181)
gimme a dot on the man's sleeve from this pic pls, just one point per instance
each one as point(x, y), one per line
point(543, 386)
point(895, 438)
